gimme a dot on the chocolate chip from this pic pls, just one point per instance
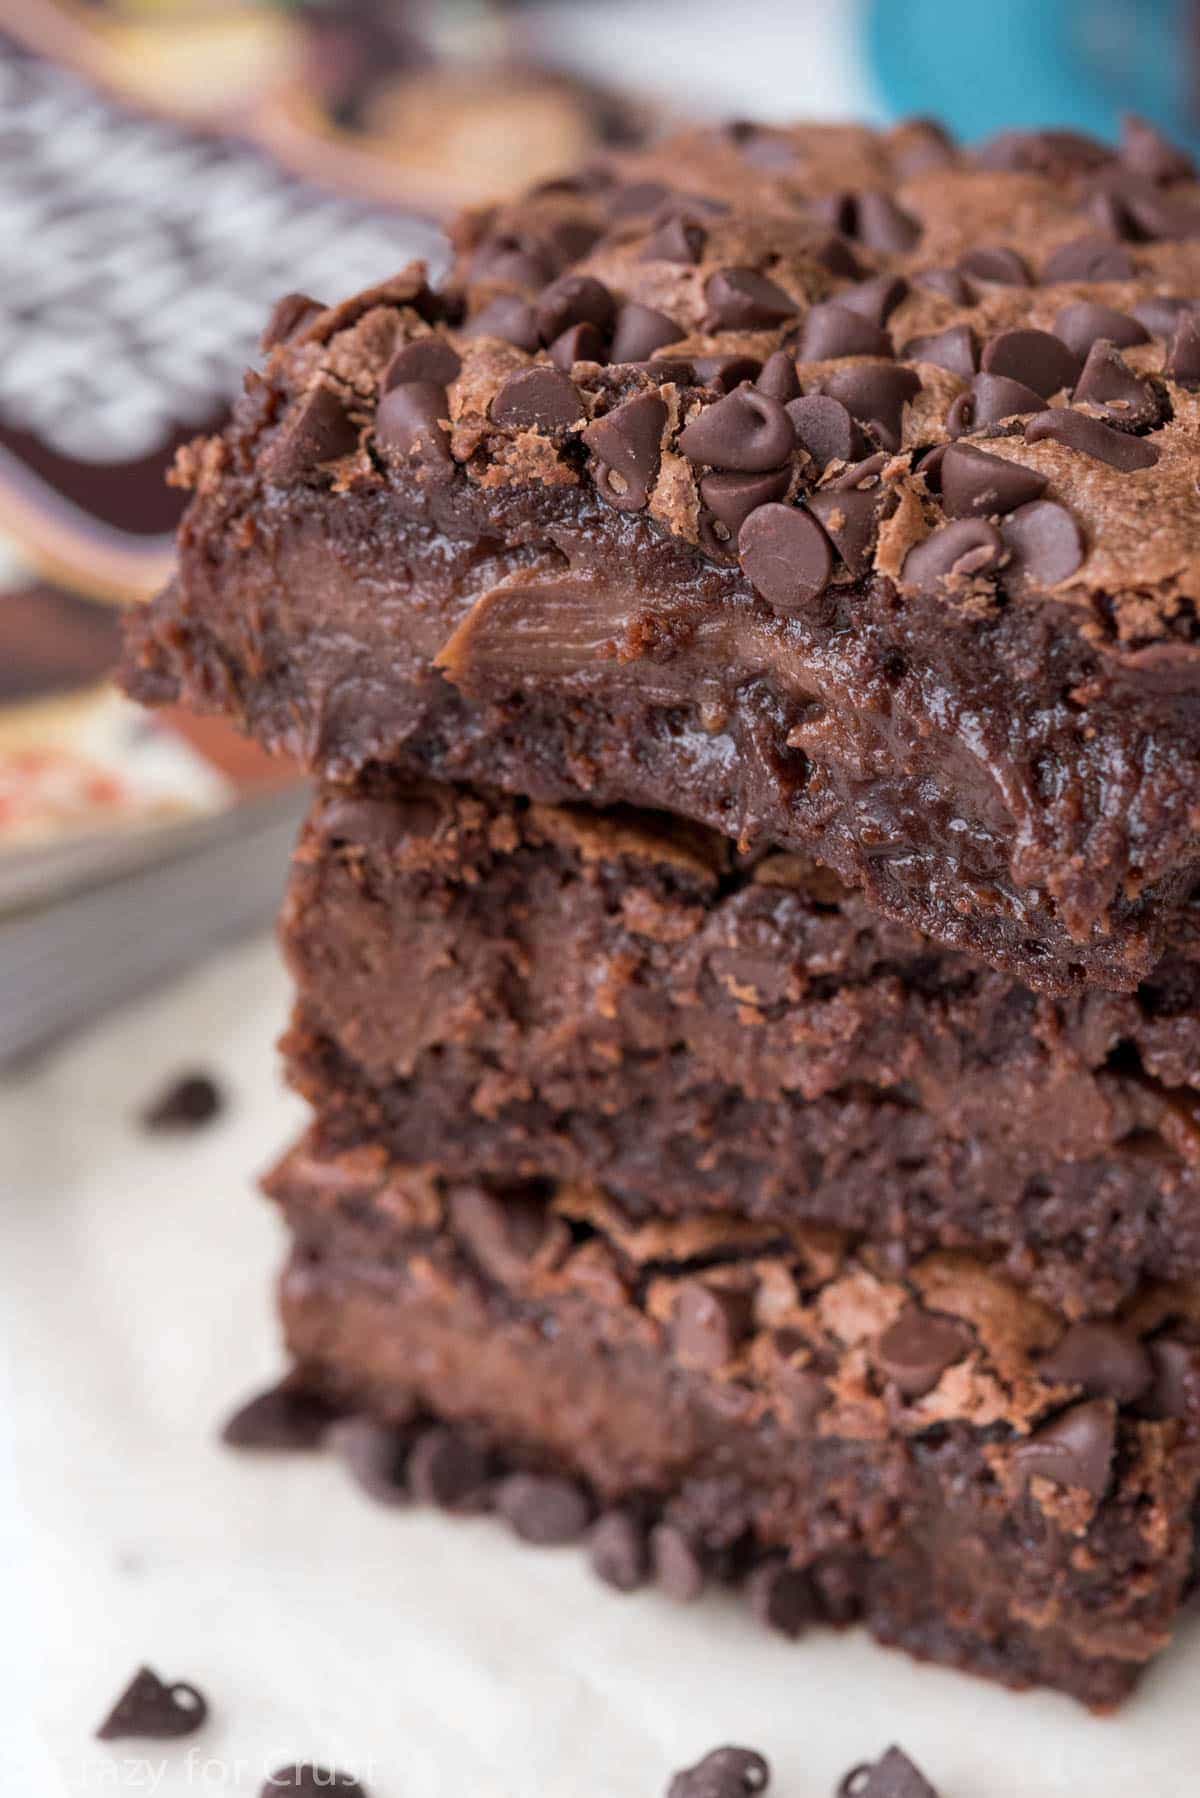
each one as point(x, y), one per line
point(832, 330)
point(1145, 150)
point(1044, 544)
point(825, 429)
point(409, 421)
point(948, 282)
point(578, 343)
point(893, 1776)
point(875, 299)
point(447, 1470)
point(849, 517)
point(732, 497)
point(1152, 216)
point(954, 349)
point(953, 555)
point(289, 315)
point(834, 209)
point(375, 1455)
point(284, 1417)
point(1089, 259)
point(573, 300)
point(1091, 437)
point(509, 318)
point(785, 555)
point(185, 1103)
point(1176, 1388)
point(781, 1597)
point(1042, 152)
point(1183, 357)
point(543, 1510)
point(504, 259)
point(1129, 403)
point(640, 330)
point(740, 299)
point(1081, 324)
point(153, 1711)
point(678, 1569)
point(992, 399)
point(1074, 1449)
point(1035, 358)
point(636, 198)
point(923, 145)
point(746, 430)
point(724, 1773)
point(778, 377)
point(619, 1552)
point(677, 239)
point(914, 1352)
point(502, 1234)
point(424, 359)
point(303, 1779)
point(538, 398)
point(882, 225)
point(976, 485)
point(835, 254)
point(875, 393)
point(317, 430)
point(1102, 1358)
point(995, 263)
point(709, 1322)
point(1160, 313)
point(725, 372)
point(627, 445)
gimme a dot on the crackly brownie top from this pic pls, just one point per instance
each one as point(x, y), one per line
point(822, 353)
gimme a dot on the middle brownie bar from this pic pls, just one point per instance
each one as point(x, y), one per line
point(532, 991)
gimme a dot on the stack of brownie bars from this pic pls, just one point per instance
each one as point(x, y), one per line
point(745, 626)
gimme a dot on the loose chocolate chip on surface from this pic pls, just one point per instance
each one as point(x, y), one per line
point(375, 1456)
point(947, 281)
point(1035, 358)
point(824, 427)
point(954, 349)
point(1091, 437)
point(992, 399)
point(424, 359)
point(149, 1709)
point(1145, 150)
point(875, 299)
point(316, 431)
point(578, 343)
point(785, 555)
point(1089, 259)
point(509, 318)
point(304, 1779)
point(619, 1552)
point(995, 263)
point(740, 299)
point(955, 554)
point(832, 330)
point(289, 315)
point(976, 485)
point(1074, 1449)
point(725, 372)
point(447, 1470)
point(1161, 313)
point(284, 1417)
point(185, 1103)
point(732, 497)
point(781, 1597)
point(914, 1352)
point(678, 1569)
point(538, 398)
point(573, 300)
point(677, 239)
point(708, 1323)
point(1044, 544)
point(409, 421)
point(640, 330)
point(893, 1776)
point(746, 430)
point(1183, 357)
point(543, 1510)
point(778, 377)
point(881, 224)
point(875, 394)
point(1080, 324)
point(1102, 1358)
point(627, 444)
point(724, 1773)
point(1129, 402)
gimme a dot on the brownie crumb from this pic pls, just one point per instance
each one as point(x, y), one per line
point(186, 1103)
point(154, 1711)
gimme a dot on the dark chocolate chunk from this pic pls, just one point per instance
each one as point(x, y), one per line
point(954, 349)
point(914, 1352)
point(725, 372)
point(785, 555)
point(976, 485)
point(1176, 1388)
point(992, 399)
point(875, 393)
point(185, 1103)
point(284, 1417)
point(573, 300)
point(640, 330)
point(746, 430)
point(1147, 152)
point(542, 1509)
point(740, 299)
point(447, 1470)
point(1044, 544)
point(1035, 358)
point(676, 239)
point(1089, 259)
point(153, 1711)
point(619, 1551)
point(947, 281)
point(955, 554)
point(995, 263)
point(832, 330)
point(1091, 437)
point(289, 315)
point(1103, 1359)
point(424, 359)
point(724, 1773)
point(578, 343)
point(538, 398)
point(1183, 357)
point(1074, 1449)
point(1129, 403)
point(709, 1322)
point(824, 427)
point(678, 1569)
point(317, 430)
point(627, 444)
point(1080, 324)
point(781, 1597)
point(875, 299)
point(732, 497)
point(375, 1455)
point(304, 1779)
point(410, 421)
point(778, 377)
point(1161, 313)
point(509, 318)
point(893, 1776)
point(881, 224)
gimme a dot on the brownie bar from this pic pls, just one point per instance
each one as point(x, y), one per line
point(540, 991)
point(929, 1451)
point(833, 489)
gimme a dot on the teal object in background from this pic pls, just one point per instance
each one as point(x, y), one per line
point(981, 66)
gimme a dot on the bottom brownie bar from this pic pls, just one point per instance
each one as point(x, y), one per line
point(932, 1453)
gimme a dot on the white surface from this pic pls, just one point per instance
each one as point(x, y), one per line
point(438, 1659)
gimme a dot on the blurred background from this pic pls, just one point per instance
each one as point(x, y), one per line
point(168, 168)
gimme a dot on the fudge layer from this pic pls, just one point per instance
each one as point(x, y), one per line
point(834, 489)
point(545, 991)
point(929, 1451)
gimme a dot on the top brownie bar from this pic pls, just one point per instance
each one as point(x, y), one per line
point(836, 489)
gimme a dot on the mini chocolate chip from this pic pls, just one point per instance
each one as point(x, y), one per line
point(1102, 1358)
point(538, 398)
point(976, 485)
point(893, 1776)
point(640, 330)
point(578, 343)
point(732, 497)
point(832, 330)
point(424, 359)
point(375, 1455)
point(825, 429)
point(185, 1103)
point(946, 281)
point(1089, 259)
point(1161, 313)
point(882, 225)
point(1044, 544)
point(724, 1773)
point(409, 420)
point(992, 399)
point(573, 300)
point(619, 1552)
point(914, 1352)
point(678, 1569)
point(1176, 1388)
point(708, 1323)
point(849, 517)
point(509, 318)
point(1075, 1448)
point(875, 394)
point(995, 263)
point(778, 377)
point(284, 1417)
point(153, 1711)
point(725, 372)
point(1035, 358)
point(627, 444)
point(676, 239)
point(447, 1470)
point(304, 1779)
point(955, 554)
point(1129, 402)
point(746, 430)
point(317, 430)
point(1080, 324)
point(785, 555)
point(781, 1597)
point(740, 299)
point(1147, 152)
point(288, 315)
point(875, 299)
point(955, 349)
point(1092, 437)
point(540, 1509)
point(1183, 357)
